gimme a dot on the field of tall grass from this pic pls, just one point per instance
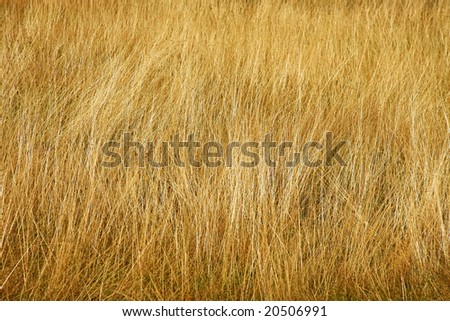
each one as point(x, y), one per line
point(77, 74)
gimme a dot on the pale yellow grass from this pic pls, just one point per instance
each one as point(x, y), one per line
point(76, 74)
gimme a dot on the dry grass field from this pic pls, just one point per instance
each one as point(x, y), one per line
point(76, 74)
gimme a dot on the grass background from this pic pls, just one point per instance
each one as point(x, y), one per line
point(76, 74)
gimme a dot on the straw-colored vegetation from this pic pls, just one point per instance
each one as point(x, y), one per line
point(76, 74)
